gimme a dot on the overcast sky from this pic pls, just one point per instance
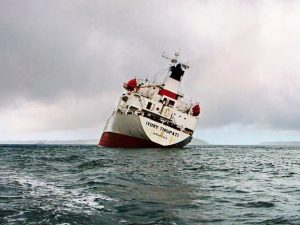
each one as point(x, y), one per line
point(62, 64)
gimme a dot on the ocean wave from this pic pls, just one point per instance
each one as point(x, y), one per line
point(197, 185)
point(36, 189)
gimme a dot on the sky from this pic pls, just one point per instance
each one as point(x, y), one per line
point(63, 63)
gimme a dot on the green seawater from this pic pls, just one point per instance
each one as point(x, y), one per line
point(66, 185)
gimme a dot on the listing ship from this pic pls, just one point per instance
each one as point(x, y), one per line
point(153, 114)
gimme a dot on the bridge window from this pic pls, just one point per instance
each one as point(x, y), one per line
point(150, 106)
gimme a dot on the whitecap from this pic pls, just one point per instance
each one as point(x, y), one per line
point(79, 199)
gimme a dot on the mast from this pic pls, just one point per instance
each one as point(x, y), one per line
point(172, 82)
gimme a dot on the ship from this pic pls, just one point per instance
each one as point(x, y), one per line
point(152, 114)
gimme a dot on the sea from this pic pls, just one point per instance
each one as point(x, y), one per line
point(86, 184)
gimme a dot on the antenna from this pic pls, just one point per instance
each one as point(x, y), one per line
point(177, 53)
point(174, 60)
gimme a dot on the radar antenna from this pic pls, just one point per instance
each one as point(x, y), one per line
point(174, 60)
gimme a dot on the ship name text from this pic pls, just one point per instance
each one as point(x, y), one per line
point(162, 129)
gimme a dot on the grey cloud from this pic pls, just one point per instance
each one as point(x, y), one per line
point(49, 48)
point(244, 57)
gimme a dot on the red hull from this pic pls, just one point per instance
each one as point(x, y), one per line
point(110, 139)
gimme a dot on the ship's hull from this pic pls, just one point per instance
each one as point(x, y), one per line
point(134, 131)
